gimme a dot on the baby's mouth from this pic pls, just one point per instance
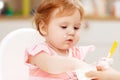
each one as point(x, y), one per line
point(69, 40)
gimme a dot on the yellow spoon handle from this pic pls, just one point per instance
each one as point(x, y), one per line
point(113, 48)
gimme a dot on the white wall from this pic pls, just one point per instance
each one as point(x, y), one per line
point(100, 33)
point(9, 25)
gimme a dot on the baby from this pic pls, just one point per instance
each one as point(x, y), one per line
point(58, 57)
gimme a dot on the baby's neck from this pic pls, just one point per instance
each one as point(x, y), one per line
point(66, 53)
point(61, 52)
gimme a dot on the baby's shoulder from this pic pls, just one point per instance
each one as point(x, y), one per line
point(38, 48)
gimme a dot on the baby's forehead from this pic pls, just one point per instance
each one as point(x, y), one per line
point(59, 12)
point(66, 17)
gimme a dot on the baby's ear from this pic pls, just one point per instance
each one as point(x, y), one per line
point(43, 28)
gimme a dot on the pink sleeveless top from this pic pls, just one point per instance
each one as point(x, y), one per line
point(36, 73)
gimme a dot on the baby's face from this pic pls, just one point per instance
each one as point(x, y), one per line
point(64, 32)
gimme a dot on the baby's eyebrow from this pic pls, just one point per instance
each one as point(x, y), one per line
point(64, 23)
point(78, 24)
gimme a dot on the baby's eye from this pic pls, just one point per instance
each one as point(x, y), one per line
point(76, 28)
point(63, 27)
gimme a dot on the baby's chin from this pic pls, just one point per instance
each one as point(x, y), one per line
point(67, 46)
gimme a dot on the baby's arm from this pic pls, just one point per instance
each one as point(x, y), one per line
point(57, 64)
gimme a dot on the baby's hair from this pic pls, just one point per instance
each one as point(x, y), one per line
point(47, 7)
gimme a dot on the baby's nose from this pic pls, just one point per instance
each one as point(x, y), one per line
point(71, 31)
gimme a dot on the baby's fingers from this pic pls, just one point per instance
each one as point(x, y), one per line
point(100, 68)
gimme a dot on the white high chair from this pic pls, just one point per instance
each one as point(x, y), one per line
point(12, 50)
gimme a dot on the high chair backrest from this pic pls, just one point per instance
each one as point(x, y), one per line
point(12, 48)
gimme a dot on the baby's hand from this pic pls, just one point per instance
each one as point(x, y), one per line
point(105, 62)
